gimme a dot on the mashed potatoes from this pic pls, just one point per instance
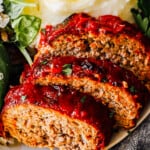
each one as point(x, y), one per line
point(55, 11)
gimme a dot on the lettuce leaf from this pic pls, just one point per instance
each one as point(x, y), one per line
point(14, 7)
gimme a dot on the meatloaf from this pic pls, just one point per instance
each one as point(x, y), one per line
point(5, 139)
point(56, 116)
point(114, 86)
point(107, 37)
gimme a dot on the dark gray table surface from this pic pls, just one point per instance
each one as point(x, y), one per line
point(139, 139)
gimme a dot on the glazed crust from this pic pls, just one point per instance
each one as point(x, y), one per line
point(114, 86)
point(107, 37)
point(56, 116)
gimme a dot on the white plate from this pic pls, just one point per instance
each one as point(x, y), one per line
point(116, 138)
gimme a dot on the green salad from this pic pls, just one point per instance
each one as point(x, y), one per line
point(16, 29)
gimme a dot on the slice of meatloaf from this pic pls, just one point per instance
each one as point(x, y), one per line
point(5, 139)
point(112, 85)
point(56, 116)
point(107, 37)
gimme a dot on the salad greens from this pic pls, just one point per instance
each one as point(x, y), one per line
point(22, 30)
point(15, 7)
point(142, 16)
point(4, 72)
point(24, 27)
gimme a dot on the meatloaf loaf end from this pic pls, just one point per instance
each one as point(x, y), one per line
point(114, 86)
point(56, 116)
point(107, 37)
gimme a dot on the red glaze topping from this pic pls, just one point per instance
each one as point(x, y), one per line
point(98, 70)
point(105, 70)
point(1, 129)
point(81, 23)
point(64, 100)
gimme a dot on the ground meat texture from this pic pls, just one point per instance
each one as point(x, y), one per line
point(107, 37)
point(56, 116)
point(5, 139)
point(114, 86)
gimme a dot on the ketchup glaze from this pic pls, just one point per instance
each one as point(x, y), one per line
point(64, 100)
point(82, 23)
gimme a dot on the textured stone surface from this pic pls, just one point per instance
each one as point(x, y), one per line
point(138, 139)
